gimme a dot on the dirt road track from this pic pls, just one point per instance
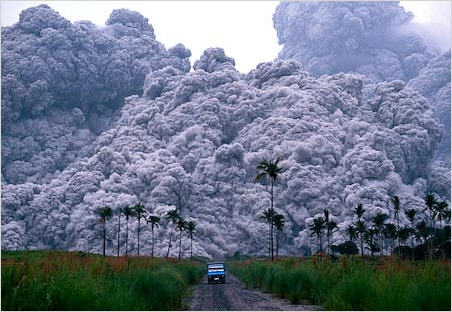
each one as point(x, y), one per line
point(232, 296)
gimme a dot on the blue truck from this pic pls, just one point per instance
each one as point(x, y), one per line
point(216, 272)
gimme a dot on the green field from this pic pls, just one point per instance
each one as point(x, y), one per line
point(382, 284)
point(49, 280)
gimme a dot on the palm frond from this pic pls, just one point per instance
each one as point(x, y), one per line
point(260, 176)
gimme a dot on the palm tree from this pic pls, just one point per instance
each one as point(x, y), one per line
point(317, 227)
point(272, 170)
point(360, 226)
point(128, 212)
point(396, 202)
point(269, 216)
point(352, 233)
point(330, 226)
point(119, 227)
point(369, 237)
point(390, 233)
point(379, 222)
point(190, 228)
point(441, 212)
point(326, 213)
point(404, 234)
point(422, 232)
point(180, 225)
point(430, 203)
point(173, 216)
point(279, 224)
point(139, 212)
point(411, 214)
point(154, 221)
point(104, 214)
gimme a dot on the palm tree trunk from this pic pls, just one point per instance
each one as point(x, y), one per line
point(152, 250)
point(431, 236)
point(328, 242)
point(320, 242)
point(271, 221)
point(138, 236)
point(277, 244)
point(191, 247)
point(119, 231)
point(269, 248)
point(398, 232)
point(180, 242)
point(169, 244)
point(103, 253)
point(380, 240)
point(362, 245)
point(127, 235)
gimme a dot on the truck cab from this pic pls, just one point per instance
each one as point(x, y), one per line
point(216, 272)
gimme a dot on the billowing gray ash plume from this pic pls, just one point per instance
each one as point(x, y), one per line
point(63, 83)
point(192, 140)
point(363, 37)
point(376, 39)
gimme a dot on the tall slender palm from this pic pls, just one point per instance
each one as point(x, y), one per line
point(379, 223)
point(390, 233)
point(119, 227)
point(104, 214)
point(316, 228)
point(441, 212)
point(352, 233)
point(422, 233)
point(139, 213)
point(171, 216)
point(128, 212)
point(279, 225)
point(272, 170)
point(154, 221)
point(430, 203)
point(269, 216)
point(411, 214)
point(180, 225)
point(369, 237)
point(330, 226)
point(396, 202)
point(360, 226)
point(326, 213)
point(190, 228)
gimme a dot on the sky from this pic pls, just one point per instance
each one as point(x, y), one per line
point(244, 29)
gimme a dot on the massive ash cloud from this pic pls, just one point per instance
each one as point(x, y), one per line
point(433, 82)
point(63, 84)
point(363, 37)
point(376, 39)
point(193, 140)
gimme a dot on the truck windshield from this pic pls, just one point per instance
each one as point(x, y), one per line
point(215, 267)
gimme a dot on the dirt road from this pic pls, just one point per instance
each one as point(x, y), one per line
point(233, 296)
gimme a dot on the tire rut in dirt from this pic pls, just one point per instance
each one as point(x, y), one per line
point(232, 296)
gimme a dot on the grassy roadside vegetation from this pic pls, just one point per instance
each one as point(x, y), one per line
point(382, 284)
point(51, 280)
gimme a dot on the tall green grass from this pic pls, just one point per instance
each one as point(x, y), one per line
point(72, 281)
point(394, 285)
